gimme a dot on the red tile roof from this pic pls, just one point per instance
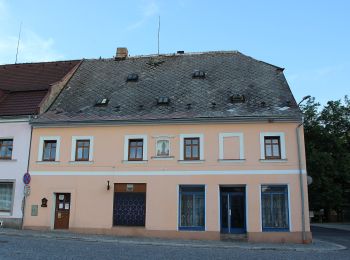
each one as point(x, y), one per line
point(25, 85)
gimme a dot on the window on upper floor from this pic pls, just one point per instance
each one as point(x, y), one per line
point(272, 146)
point(82, 150)
point(6, 198)
point(274, 207)
point(49, 148)
point(191, 148)
point(135, 150)
point(6, 147)
point(231, 146)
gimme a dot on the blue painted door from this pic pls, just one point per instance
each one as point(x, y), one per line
point(233, 212)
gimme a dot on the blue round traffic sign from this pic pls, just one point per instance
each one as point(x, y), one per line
point(26, 178)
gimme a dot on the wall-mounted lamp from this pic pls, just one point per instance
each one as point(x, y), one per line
point(108, 186)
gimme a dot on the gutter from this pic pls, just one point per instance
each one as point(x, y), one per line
point(53, 123)
point(24, 197)
point(301, 182)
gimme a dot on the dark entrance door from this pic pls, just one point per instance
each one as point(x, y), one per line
point(233, 210)
point(129, 205)
point(62, 210)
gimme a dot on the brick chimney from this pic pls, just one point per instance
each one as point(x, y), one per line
point(122, 53)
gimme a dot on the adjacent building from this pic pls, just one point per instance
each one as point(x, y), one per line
point(198, 145)
point(25, 90)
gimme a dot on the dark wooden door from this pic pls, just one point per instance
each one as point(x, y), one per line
point(62, 210)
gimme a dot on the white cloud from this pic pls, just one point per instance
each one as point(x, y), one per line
point(32, 47)
point(148, 10)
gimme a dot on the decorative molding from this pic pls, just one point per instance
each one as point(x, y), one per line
point(222, 144)
point(165, 173)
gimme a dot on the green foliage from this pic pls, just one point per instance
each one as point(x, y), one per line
point(327, 144)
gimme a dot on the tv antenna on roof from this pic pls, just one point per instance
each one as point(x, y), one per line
point(19, 37)
point(158, 32)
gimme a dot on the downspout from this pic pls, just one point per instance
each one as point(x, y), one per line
point(24, 197)
point(301, 182)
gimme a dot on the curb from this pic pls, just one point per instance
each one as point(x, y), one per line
point(246, 246)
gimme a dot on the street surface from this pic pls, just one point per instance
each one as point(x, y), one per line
point(14, 246)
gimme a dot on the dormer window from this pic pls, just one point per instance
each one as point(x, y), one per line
point(236, 98)
point(102, 102)
point(132, 77)
point(198, 74)
point(163, 101)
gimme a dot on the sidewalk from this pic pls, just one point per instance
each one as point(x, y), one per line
point(340, 226)
point(317, 245)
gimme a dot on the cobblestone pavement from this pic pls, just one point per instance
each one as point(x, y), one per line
point(16, 244)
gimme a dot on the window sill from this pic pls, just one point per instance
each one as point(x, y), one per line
point(191, 161)
point(8, 160)
point(275, 230)
point(231, 160)
point(273, 160)
point(7, 214)
point(134, 162)
point(81, 162)
point(162, 158)
point(47, 162)
point(191, 229)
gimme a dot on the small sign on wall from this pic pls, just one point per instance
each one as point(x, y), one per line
point(130, 187)
point(34, 212)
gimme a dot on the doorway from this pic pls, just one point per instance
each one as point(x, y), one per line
point(62, 210)
point(232, 210)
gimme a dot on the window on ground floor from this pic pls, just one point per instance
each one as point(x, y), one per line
point(275, 212)
point(192, 207)
point(6, 193)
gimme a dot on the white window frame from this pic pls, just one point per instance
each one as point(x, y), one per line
point(201, 145)
point(281, 135)
point(144, 149)
point(13, 145)
point(289, 204)
point(10, 213)
point(222, 136)
point(41, 147)
point(74, 145)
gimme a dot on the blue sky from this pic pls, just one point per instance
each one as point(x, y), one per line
point(310, 39)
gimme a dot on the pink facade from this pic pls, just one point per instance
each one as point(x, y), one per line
point(12, 170)
point(232, 156)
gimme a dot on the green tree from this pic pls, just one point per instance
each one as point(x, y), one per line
point(327, 144)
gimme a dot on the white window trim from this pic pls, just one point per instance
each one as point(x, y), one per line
point(41, 147)
point(289, 204)
point(161, 138)
point(201, 145)
point(282, 140)
point(126, 146)
point(74, 144)
point(13, 146)
point(10, 213)
point(221, 144)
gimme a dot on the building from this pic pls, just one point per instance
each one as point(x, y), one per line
point(185, 145)
point(25, 90)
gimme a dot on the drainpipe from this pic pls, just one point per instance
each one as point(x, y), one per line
point(301, 180)
point(24, 197)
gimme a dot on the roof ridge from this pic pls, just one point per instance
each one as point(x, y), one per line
point(38, 63)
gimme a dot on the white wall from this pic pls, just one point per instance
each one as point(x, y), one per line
point(14, 169)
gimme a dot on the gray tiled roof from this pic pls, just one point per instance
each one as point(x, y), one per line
point(264, 86)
